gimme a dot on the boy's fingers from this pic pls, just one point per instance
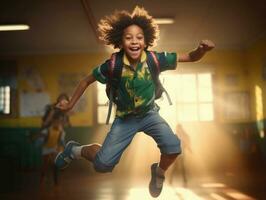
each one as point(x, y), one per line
point(209, 43)
point(206, 45)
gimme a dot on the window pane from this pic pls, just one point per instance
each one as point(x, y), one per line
point(169, 114)
point(7, 92)
point(205, 94)
point(102, 98)
point(204, 80)
point(179, 88)
point(5, 99)
point(102, 105)
point(101, 94)
point(188, 112)
point(1, 105)
point(170, 84)
point(188, 92)
point(102, 114)
point(206, 112)
point(205, 87)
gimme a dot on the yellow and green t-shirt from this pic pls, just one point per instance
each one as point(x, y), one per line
point(136, 90)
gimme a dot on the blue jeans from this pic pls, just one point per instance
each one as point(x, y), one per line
point(123, 131)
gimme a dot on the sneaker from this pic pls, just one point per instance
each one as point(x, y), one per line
point(156, 183)
point(63, 159)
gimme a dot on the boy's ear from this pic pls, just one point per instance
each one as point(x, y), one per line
point(120, 45)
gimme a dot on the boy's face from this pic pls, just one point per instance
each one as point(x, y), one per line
point(133, 42)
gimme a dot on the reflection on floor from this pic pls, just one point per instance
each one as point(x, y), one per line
point(80, 182)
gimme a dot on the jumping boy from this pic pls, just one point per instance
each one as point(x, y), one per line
point(136, 110)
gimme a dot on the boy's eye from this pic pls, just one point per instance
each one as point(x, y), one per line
point(128, 37)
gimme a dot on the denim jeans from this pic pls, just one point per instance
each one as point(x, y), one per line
point(122, 132)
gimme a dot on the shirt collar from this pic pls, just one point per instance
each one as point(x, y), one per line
point(142, 58)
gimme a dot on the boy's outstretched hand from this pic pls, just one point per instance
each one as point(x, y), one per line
point(206, 45)
point(198, 53)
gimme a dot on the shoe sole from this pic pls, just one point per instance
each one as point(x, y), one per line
point(153, 176)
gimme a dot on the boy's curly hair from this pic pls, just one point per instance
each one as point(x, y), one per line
point(111, 28)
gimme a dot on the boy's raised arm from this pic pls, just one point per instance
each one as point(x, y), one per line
point(82, 86)
point(198, 53)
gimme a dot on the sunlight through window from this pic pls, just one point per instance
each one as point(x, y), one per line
point(5, 99)
point(213, 185)
point(189, 91)
point(238, 195)
point(192, 97)
point(187, 194)
point(259, 103)
point(168, 193)
point(102, 105)
point(217, 197)
point(259, 110)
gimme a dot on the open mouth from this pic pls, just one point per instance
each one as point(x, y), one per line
point(134, 52)
point(134, 49)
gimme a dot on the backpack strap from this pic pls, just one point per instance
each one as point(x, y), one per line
point(155, 60)
point(115, 66)
point(154, 67)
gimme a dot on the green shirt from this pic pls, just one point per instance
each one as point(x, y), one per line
point(136, 91)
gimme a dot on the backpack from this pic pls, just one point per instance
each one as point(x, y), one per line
point(115, 66)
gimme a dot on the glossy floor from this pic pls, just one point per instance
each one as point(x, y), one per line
point(80, 182)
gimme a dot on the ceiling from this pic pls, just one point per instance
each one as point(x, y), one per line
point(69, 26)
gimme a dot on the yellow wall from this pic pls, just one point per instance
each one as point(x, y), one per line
point(256, 59)
point(229, 62)
point(51, 66)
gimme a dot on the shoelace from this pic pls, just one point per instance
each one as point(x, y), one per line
point(68, 159)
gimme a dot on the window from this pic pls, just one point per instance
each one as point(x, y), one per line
point(191, 95)
point(5, 100)
point(7, 88)
point(102, 105)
